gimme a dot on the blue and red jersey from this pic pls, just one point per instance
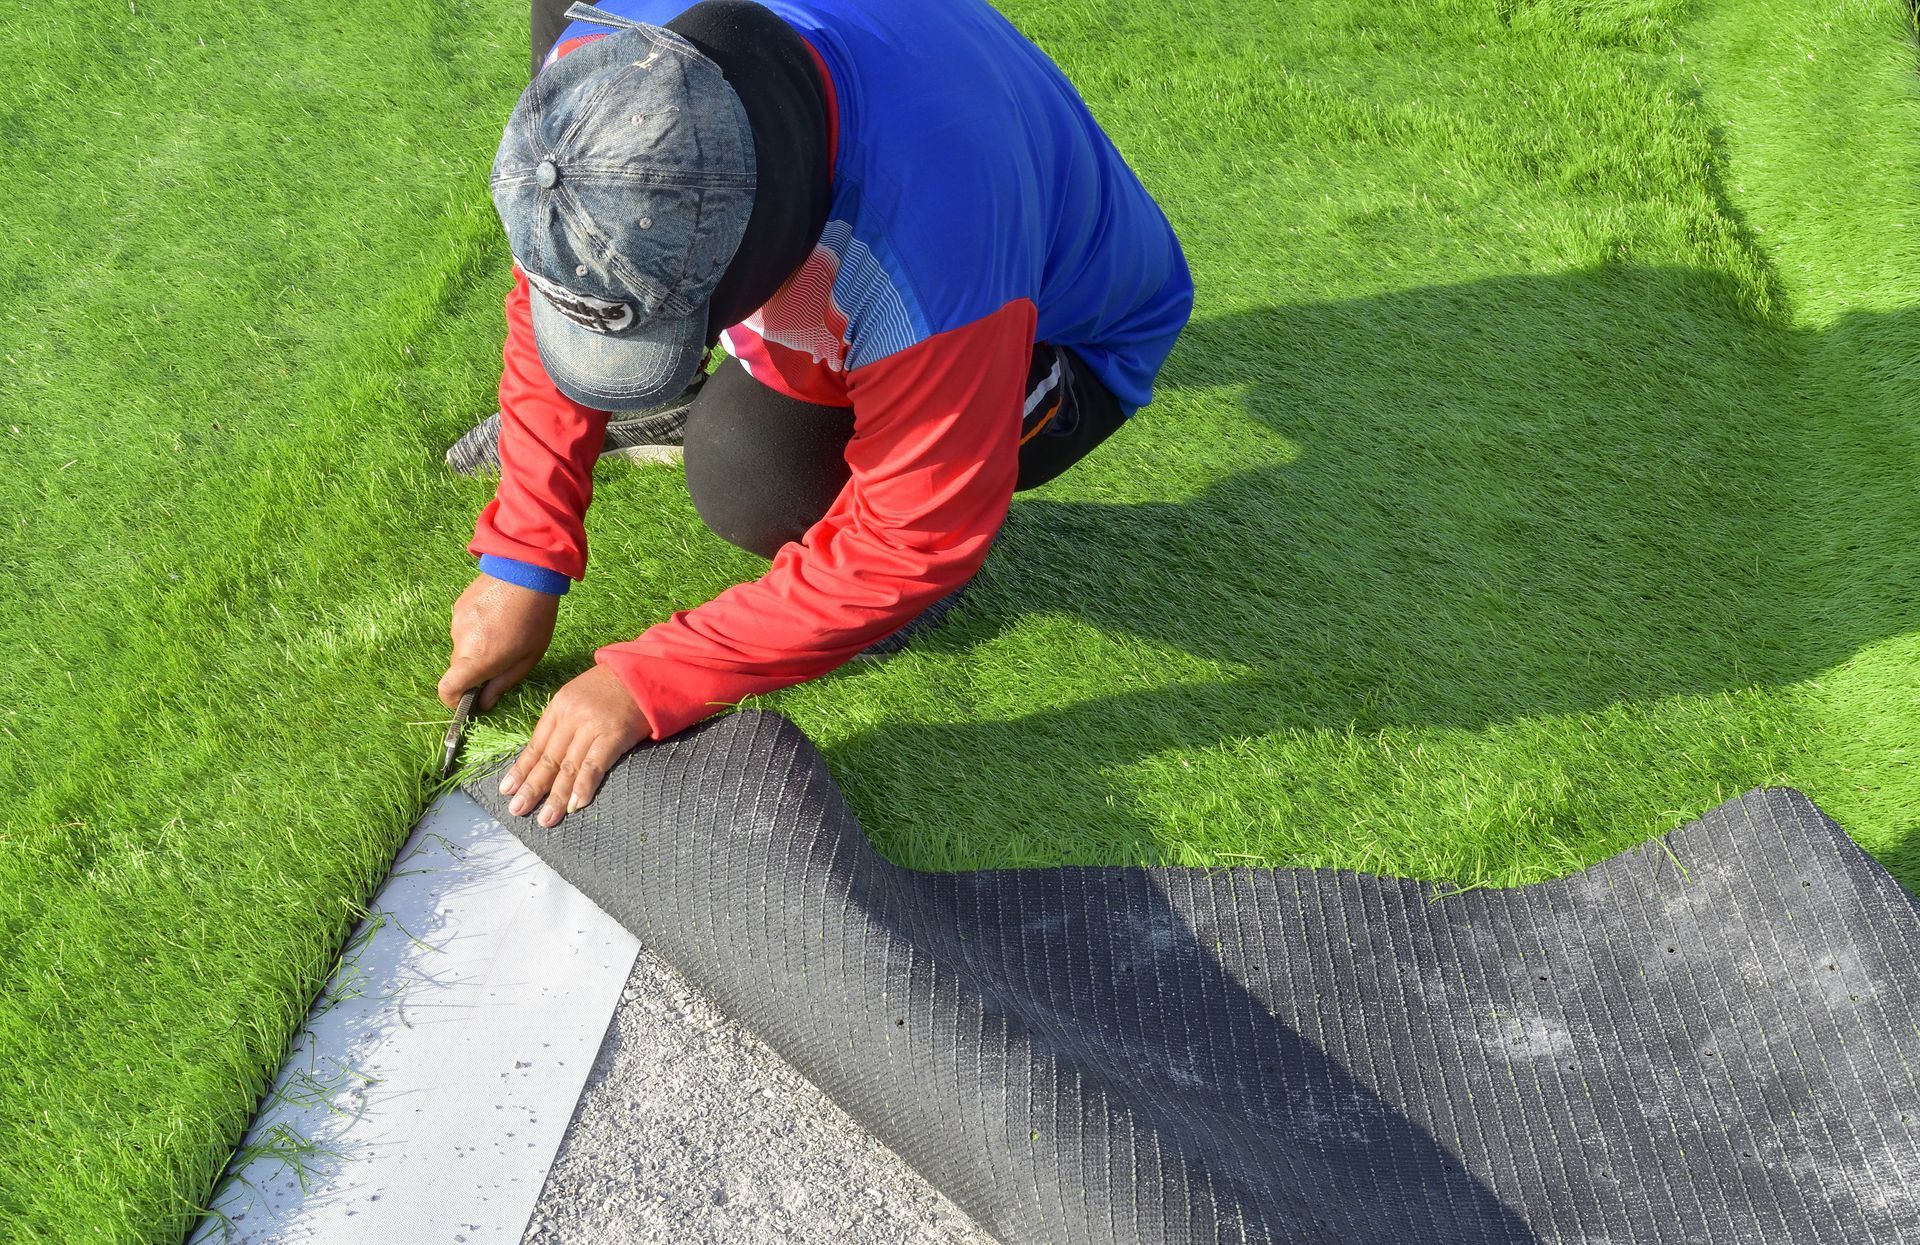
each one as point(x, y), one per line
point(977, 208)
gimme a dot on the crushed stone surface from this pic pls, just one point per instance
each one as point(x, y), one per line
point(691, 1130)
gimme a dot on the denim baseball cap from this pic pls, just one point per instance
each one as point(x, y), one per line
point(624, 182)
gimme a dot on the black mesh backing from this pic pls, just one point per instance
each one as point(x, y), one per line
point(1711, 1038)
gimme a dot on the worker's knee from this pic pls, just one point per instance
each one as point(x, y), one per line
point(734, 514)
point(762, 468)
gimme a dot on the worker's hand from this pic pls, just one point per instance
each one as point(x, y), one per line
point(500, 632)
point(589, 724)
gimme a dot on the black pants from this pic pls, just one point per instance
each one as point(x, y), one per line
point(548, 22)
point(762, 468)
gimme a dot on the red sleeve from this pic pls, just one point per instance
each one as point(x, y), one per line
point(934, 455)
point(548, 444)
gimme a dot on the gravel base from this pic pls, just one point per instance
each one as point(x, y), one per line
point(690, 1130)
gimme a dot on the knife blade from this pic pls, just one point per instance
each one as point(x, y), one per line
point(456, 731)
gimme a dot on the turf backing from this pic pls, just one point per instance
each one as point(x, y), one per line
point(1538, 472)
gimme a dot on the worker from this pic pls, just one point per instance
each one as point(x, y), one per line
point(937, 282)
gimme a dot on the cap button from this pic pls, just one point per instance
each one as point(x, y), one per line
point(547, 173)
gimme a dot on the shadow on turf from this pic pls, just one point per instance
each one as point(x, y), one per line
point(1518, 497)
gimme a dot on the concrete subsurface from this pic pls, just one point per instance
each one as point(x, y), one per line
point(691, 1130)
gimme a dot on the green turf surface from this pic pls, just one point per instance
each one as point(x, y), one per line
point(1539, 470)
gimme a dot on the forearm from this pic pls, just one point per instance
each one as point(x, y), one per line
point(548, 445)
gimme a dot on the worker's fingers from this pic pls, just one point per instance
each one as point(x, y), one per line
point(460, 676)
point(540, 779)
point(560, 798)
point(585, 728)
point(494, 682)
point(532, 771)
point(599, 758)
point(517, 772)
point(504, 682)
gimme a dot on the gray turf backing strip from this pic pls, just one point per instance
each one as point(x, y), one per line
point(1707, 1039)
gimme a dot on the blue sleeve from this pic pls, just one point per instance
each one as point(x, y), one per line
point(526, 574)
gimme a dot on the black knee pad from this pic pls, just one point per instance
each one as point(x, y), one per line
point(762, 467)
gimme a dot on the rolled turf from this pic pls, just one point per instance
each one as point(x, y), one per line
point(1538, 472)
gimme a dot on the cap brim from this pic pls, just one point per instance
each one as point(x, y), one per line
point(628, 372)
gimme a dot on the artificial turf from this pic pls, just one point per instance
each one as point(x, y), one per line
point(1538, 471)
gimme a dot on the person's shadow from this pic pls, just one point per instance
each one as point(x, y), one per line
point(1459, 507)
